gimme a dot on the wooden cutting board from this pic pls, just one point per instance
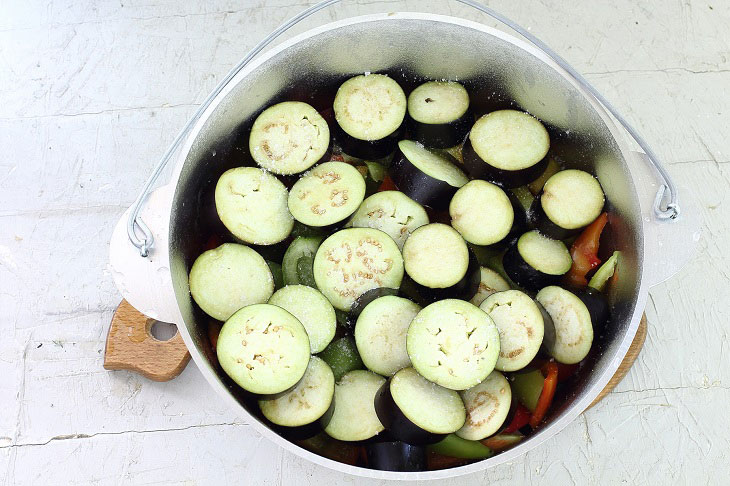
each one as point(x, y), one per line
point(131, 346)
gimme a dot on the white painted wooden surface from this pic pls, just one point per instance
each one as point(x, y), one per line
point(92, 92)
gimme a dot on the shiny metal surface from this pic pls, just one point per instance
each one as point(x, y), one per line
point(668, 210)
point(499, 71)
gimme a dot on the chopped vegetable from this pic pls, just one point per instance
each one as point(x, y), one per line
point(305, 271)
point(604, 272)
point(546, 396)
point(524, 196)
point(552, 168)
point(439, 461)
point(585, 252)
point(342, 356)
point(454, 446)
point(387, 185)
point(527, 387)
point(519, 420)
point(276, 273)
point(334, 449)
point(502, 441)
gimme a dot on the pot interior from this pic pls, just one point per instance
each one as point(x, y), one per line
point(496, 71)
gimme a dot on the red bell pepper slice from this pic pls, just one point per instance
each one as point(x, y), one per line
point(550, 370)
point(387, 185)
point(584, 252)
point(520, 419)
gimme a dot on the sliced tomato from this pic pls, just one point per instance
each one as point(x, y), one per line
point(584, 252)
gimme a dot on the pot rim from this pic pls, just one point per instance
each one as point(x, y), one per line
point(572, 412)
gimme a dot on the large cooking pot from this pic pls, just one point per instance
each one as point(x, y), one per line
point(499, 70)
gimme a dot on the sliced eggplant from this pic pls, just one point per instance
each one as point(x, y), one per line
point(481, 212)
point(438, 114)
point(393, 213)
point(569, 331)
point(365, 299)
point(380, 334)
point(521, 328)
point(370, 110)
point(426, 176)
point(570, 200)
point(252, 204)
point(396, 456)
point(312, 309)
point(298, 260)
point(596, 303)
point(304, 404)
point(507, 147)
point(436, 256)
point(227, 278)
point(416, 411)
point(355, 260)
point(341, 355)
point(327, 194)
point(453, 344)
point(288, 138)
point(489, 283)
point(487, 406)
point(352, 416)
point(454, 446)
point(264, 349)
point(534, 261)
point(465, 289)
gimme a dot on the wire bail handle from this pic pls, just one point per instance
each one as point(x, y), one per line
point(668, 211)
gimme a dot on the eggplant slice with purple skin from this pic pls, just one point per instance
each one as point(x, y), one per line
point(482, 213)
point(425, 176)
point(507, 147)
point(396, 456)
point(534, 261)
point(569, 328)
point(352, 414)
point(380, 334)
point(416, 411)
point(440, 264)
point(296, 413)
point(289, 138)
point(438, 114)
point(596, 303)
point(370, 112)
point(571, 200)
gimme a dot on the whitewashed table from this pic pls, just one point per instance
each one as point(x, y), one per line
point(92, 92)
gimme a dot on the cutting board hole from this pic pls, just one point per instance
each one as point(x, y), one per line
point(163, 331)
